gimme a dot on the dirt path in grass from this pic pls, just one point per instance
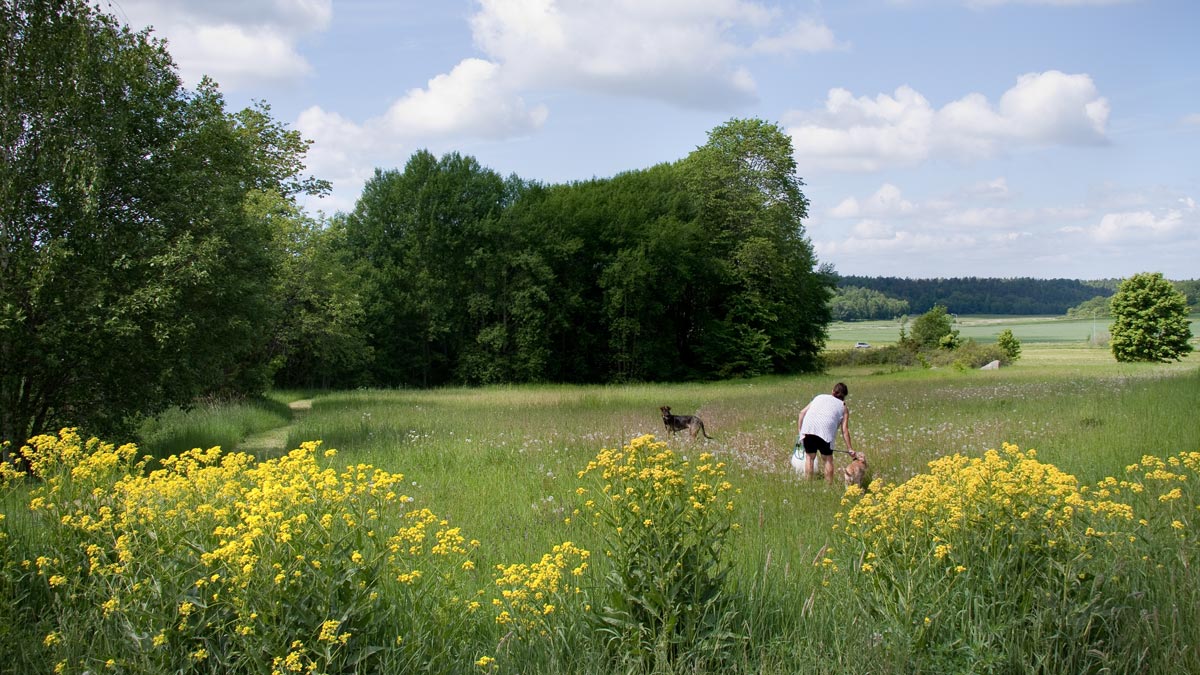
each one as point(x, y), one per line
point(273, 442)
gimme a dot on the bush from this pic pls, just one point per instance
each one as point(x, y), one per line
point(666, 523)
point(217, 564)
point(969, 355)
point(1006, 564)
point(886, 355)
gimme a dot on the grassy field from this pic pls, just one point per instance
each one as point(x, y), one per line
point(502, 464)
point(984, 329)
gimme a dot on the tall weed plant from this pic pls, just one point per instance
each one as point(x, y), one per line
point(217, 564)
point(1004, 564)
point(665, 523)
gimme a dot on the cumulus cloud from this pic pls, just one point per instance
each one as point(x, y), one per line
point(470, 102)
point(965, 233)
point(684, 53)
point(1135, 226)
point(902, 129)
point(996, 188)
point(239, 44)
point(887, 201)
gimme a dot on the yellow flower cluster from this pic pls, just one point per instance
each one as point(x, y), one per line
point(646, 478)
point(218, 539)
point(965, 503)
point(528, 593)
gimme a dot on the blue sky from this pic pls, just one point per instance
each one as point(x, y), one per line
point(936, 138)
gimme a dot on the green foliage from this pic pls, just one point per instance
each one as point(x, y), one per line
point(1150, 320)
point(693, 270)
point(1097, 306)
point(1191, 290)
point(968, 355)
point(134, 276)
point(751, 207)
point(925, 553)
point(1009, 343)
point(320, 338)
point(933, 330)
point(209, 424)
point(665, 524)
point(973, 295)
point(854, 303)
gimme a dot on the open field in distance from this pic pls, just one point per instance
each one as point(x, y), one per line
point(984, 329)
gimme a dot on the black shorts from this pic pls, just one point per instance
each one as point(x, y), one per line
point(814, 444)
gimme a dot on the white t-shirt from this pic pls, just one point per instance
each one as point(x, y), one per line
point(824, 416)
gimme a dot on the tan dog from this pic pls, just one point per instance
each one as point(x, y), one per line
point(674, 423)
point(855, 473)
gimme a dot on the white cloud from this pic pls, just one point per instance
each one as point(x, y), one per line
point(873, 229)
point(805, 35)
point(239, 44)
point(471, 101)
point(887, 201)
point(684, 53)
point(1192, 120)
point(867, 134)
point(1133, 226)
point(993, 189)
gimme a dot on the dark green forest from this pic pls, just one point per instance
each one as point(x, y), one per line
point(974, 295)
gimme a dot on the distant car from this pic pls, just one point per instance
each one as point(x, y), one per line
point(862, 345)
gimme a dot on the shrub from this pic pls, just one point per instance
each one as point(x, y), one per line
point(969, 355)
point(216, 564)
point(665, 522)
point(1009, 343)
point(884, 355)
point(1006, 564)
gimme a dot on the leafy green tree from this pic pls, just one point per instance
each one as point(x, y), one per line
point(1191, 290)
point(1009, 343)
point(1150, 320)
point(320, 334)
point(769, 309)
point(1097, 306)
point(934, 330)
point(132, 275)
point(419, 230)
point(855, 303)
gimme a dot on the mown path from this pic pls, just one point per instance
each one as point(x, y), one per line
point(273, 442)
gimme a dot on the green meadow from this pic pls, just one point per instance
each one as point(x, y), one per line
point(502, 465)
point(1030, 330)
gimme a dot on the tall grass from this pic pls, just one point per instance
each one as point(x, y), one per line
point(210, 424)
point(502, 465)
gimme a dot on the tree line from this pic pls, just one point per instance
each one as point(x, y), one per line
point(691, 270)
point(976, 295)
point(153, 251)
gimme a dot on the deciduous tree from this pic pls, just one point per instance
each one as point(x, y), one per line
point(933, 329)
point(131, 274)
point(1150, 320)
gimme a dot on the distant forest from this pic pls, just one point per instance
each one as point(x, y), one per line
point(973, 295)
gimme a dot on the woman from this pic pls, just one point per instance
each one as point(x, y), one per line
point(817, 427)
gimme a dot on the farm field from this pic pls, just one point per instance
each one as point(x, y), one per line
point(1029, 330)
point(501, 466)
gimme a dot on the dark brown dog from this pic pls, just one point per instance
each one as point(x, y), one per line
point(675, 423)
